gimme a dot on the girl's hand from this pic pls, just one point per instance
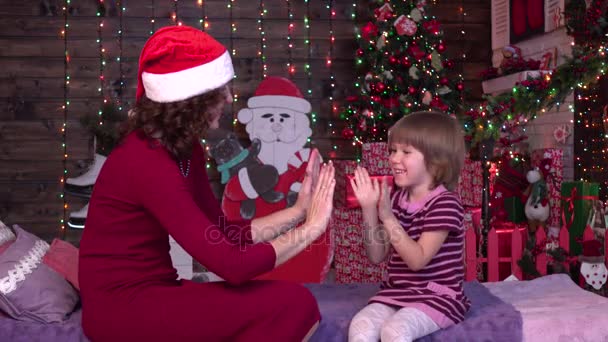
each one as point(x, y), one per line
point(366, 190)
point(309, 183)
point(385, 210)
point(321, 204)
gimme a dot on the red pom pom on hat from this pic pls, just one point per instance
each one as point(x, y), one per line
point(179, 62)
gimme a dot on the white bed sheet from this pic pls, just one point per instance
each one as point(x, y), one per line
point(554, 308)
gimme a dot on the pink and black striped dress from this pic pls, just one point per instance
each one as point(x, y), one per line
point(436, 289)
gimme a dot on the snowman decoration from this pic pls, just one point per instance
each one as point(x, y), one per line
point(276, 116)
point(537, 205)
point(593, 269)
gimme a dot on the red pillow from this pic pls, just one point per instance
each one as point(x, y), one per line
point(62, 257)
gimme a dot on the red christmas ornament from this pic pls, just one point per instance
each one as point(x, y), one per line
point(416, 52)
point(348, 133)
point(412, 90)
point(444, 81)
point(393, 60)
point(380, 87)
point(460, 87)
point(406, 62)
point(359, 52)
point(369, 30)
point(375, 98)
point(448, 64)
point(440, 48)
point(374, 130)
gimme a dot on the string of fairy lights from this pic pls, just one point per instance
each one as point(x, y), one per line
point(291, 69)
point(65, 106)
point(153, 18)
point(203, 20)
point(121, 79)
point(232, 50)
point(590, 131)
point(329, 64)
point(262, 50)
point(102, 59)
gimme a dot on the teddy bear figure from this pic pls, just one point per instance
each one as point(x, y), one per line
point(537, 205)
point(246, 178)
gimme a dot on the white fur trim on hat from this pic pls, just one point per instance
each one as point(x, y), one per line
point(183, 84)
point(280, 101)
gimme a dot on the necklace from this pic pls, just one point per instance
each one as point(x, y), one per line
point(181, 168)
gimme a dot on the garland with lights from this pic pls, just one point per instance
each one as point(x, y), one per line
point(402, 69)
point(66, 103)
point(505, 112)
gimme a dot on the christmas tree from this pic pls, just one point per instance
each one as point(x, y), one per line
point(401, 69)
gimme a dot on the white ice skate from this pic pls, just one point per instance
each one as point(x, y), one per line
point(77, 218)
point(82, 186)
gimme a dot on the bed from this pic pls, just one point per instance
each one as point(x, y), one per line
point(551, 308)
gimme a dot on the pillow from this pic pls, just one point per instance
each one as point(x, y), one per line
point(62, 257)
point(29, 289)
point(6, 237)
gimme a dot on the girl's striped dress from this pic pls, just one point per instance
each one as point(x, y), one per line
point(436, 289)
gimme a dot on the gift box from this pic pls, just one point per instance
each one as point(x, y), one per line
point(350, 258)
point(470, 182)
point(553, 159)
point(515, 210)
point(343, 168)
point(577, 198)
point(375, 158)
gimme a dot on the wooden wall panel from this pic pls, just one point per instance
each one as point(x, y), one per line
point(32, 78)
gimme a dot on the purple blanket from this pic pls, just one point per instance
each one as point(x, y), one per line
point(18, 331)
point(489, 318)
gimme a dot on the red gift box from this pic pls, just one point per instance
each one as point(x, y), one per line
point(351, 199)
point(350, 258)
point(375, 158)
point(470, 182)
point(343, 168)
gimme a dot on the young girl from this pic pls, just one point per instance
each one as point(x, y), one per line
point(421, 231)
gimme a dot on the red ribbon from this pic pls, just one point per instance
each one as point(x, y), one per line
point(570, 202)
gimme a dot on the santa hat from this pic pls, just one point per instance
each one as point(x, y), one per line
point(592, 252)
point(179, 62)
point(276, 92)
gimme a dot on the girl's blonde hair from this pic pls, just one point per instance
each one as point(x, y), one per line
point(439, 138)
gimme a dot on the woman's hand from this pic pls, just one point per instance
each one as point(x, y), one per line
point(321, 204)
point(385, 210)
point(309, 183)
point(366, 190)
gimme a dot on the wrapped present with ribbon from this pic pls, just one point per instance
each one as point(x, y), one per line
point(351, 199)
point(343, 168)
point(470, 182)
point(577, 200)
point(374, 157)
point(350, 258)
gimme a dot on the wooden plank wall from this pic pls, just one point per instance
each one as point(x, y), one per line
point(32, 77)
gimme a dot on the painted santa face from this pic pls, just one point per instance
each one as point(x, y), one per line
point(215, 113)
point(409, 169)
point(272, 125)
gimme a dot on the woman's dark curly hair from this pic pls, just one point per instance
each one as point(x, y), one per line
point(177, 124)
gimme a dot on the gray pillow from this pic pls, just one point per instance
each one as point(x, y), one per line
point(29, 289)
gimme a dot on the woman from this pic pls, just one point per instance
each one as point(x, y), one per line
point(154, 184)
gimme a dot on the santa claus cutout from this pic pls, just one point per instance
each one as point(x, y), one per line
point(277, 117)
